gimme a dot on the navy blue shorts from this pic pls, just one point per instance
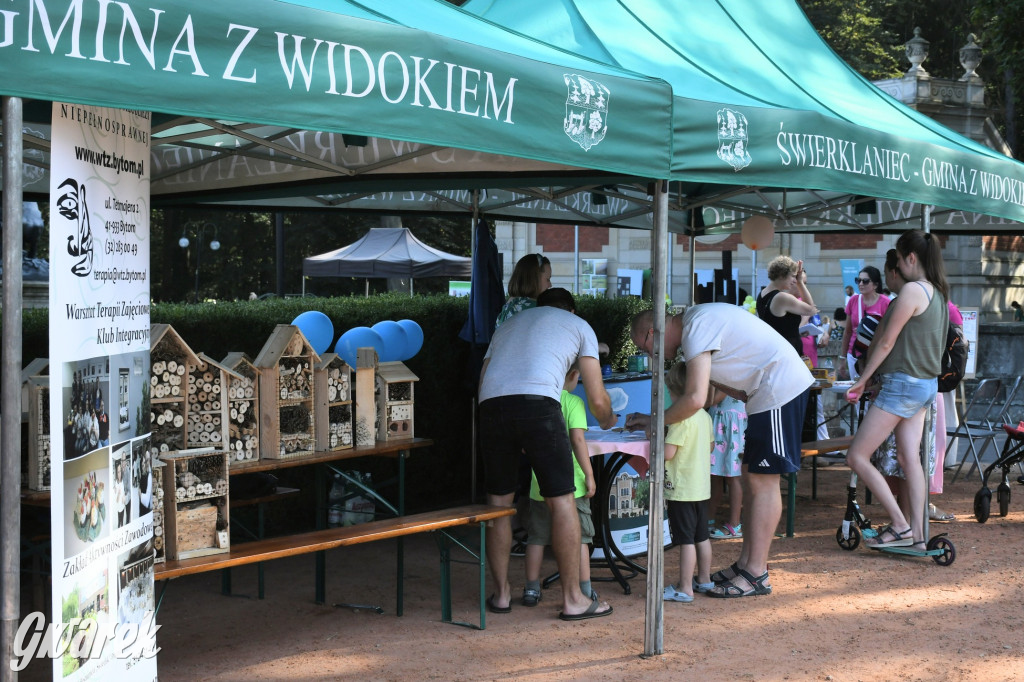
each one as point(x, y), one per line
point(773, 438)
point(531, 427)
point(687, 521)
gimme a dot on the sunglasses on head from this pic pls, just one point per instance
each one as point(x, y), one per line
point(866, 280)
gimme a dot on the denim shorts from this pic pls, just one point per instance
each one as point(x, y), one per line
point(904, 395)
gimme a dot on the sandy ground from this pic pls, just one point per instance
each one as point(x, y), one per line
point(834, 615)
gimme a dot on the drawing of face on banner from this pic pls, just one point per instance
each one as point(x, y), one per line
point(74, 208)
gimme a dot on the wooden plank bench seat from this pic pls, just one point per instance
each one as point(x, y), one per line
point(330, 538)
point(821, 447)
point(813, 448)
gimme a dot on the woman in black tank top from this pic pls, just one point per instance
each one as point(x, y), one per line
point(779, 307)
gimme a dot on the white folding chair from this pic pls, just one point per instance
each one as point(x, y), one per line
point(978, 423)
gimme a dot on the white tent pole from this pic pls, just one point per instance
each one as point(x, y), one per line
point(654, 630)
point(693, 268)
point(10, 387)
point(576, 259)
point(753, 273)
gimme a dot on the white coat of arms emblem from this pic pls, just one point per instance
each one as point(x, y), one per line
point(586, 110)
point(732, 139)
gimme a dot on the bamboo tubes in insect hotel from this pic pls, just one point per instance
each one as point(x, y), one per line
point(243, 427)
point(205, 421)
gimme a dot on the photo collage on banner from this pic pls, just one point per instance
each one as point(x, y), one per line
point(102, 491)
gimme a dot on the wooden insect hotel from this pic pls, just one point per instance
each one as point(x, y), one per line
point(334, 416)
point(287, 394)
point(394, 401)
point(171, 361)
point(366, 400)
point(158, 506)
point(37, 390)
point(208, 412)
point(195, 492)
point(243, 409)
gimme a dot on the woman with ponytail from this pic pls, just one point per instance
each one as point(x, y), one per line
point(904, 360)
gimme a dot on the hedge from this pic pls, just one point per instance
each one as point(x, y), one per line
point(437, 476)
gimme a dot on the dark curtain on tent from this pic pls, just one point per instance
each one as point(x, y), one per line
point(486, 297)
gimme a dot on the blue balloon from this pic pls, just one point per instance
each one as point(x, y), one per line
point(414, 338)
point(356, 338)
point(395, 340)
point(317, 328)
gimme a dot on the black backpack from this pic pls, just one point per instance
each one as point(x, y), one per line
point(954, 359)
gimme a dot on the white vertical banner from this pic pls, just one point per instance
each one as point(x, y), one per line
point(101, 506)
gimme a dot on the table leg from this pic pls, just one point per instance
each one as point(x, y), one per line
point(320, 490)
point(400, 593)
point(260, 518)
point(602, 527)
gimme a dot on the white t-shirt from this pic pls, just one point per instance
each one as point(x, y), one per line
point(532, 351)
point(747, 355)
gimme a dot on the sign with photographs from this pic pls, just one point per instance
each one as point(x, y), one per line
point(101, 507)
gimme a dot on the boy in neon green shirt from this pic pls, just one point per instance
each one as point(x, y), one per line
point(538, 524)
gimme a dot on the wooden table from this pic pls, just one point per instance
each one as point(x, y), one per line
point(399, 449)
point(617, 449)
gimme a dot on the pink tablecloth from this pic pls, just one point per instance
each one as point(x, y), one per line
point(635, 444)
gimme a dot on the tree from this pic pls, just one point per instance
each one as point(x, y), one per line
point(856, 30)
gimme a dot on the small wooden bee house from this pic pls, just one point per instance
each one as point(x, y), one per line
point(37, 389)
point(334, 415)
point(38, 367)
point(394, 401)
point(366, 402)
point(171, 361)
point(158, 506)
point(243, 409)
point(195, 485)
point(287, 394)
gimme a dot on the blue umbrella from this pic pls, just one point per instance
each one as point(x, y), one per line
point(487, 294)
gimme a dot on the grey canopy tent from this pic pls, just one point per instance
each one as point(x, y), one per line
point(387, 252)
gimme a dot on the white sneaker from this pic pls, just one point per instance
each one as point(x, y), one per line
point(672, 594)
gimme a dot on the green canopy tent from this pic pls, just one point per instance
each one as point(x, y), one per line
point(275, 95)
point(767, 119)
point(297, 93)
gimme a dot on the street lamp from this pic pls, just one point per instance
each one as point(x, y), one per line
point(183, 242)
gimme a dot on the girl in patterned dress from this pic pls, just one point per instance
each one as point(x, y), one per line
point(729, 418)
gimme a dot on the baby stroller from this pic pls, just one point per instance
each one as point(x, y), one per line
point(1013, 453)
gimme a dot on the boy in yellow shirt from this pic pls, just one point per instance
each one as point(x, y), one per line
point(687, 490)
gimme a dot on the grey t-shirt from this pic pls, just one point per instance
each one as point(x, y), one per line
point(531, 353)
point(747, 355)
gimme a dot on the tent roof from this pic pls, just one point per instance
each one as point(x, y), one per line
point(257, 120)
point(762, 101)
point(387, 252)
point(264, 95)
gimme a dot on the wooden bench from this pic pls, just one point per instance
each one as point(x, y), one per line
point(329, 538)
point(813, 449)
